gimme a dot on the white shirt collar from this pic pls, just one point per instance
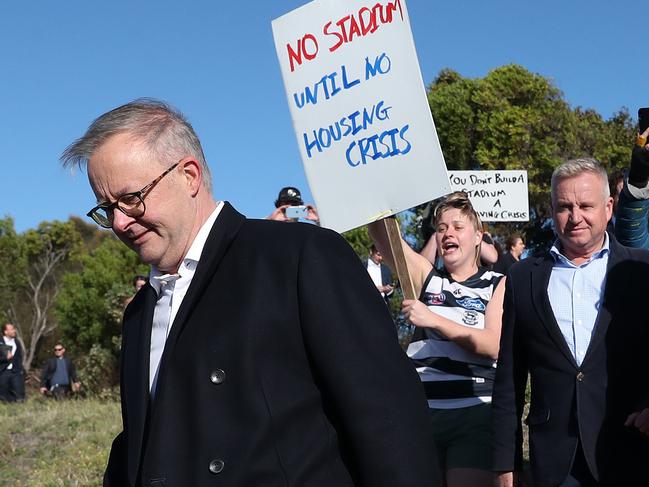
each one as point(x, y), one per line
point(555, 251)
point(193, 254)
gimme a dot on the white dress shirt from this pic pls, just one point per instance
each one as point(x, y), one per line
point(576, 293)
point(177, 284)
point(12, 342)
point(374, 270)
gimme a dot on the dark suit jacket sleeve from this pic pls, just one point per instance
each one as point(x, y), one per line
point(386, 275)
point(72, 372)
point(373, 392)
point(4, 361)
point(46, 375)
point(509, 391)
point(115, 474)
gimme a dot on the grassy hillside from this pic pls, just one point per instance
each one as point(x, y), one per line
point(44, 443)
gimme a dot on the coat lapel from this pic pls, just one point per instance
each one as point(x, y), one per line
point(603, 320)
point(540, 276)
point(135, 373)
point(218, 242)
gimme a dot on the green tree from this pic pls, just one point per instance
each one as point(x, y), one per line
point(515, 119)
point(14, 268)
point(35, 261)
point(359, 240)
point(92, 301)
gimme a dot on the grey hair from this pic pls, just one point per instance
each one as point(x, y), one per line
point(576, 167)
point(163, 128)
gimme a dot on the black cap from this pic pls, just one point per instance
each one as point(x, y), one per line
point(289, 196)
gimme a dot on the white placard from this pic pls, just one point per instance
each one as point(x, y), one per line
point(359, 109)
point(497, 196)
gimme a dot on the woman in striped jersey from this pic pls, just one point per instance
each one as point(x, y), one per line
point(455, 345)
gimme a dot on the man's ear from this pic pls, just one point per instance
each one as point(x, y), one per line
point(193, 174)
point(609, 207)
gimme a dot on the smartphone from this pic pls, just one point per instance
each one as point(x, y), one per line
point(643, 119)
point(296, 212)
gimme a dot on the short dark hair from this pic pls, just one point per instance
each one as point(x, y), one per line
point(613, 180)
point(289, 195)
point(4, 327)
point(139, 278)
point(511, 240)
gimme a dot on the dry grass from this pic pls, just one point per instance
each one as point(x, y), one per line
point(45, 443)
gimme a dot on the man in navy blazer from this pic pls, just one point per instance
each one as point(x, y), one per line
point(576, 321)
point(259, 353)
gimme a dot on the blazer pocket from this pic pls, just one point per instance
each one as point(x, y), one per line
point(537, 417)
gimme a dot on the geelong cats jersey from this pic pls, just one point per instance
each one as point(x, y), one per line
point(452, 376)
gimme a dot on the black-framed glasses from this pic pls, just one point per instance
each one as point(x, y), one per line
point(58, 349)
point(131, 204)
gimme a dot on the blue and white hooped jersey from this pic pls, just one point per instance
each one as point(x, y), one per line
point(452, 376)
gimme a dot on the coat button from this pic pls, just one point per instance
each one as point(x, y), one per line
point(217, 376)
point(580, 376)
point(216, 466)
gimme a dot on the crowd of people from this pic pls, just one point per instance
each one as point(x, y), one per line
point(264, 352)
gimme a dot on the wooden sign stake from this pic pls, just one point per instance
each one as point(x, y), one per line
point(391, 226)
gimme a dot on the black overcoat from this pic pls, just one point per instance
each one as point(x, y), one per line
point(282, 368)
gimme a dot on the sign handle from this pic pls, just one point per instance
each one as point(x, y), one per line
point(391, 226)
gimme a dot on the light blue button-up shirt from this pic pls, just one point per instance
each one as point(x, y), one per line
point(575, 293)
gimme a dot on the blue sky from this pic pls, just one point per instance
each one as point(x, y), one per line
point(64, 63)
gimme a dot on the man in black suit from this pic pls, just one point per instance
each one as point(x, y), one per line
point(12, 381)
point(576, 322)
point(379, 273)
point(259, 353)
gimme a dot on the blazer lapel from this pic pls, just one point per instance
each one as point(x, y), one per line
point(540, 276)
point(136, 375)
point(218, 242)
point(604, 314)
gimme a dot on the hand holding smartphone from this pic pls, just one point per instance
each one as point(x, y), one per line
point(296, 211)
point(643, 119)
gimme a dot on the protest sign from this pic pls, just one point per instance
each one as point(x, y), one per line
point(497, 196)
point(359, 109)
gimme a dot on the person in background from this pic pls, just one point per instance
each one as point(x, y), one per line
point(515, 247)
point(455, 345)
point(290, 196)
point(631, 217)
point(575, 322)
point(139, 282)
point(12, 376)
point(380, 273)
point(59, 376)
point(616, 185)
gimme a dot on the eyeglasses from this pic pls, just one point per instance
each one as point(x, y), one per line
point(58, 349)
point(131, 204)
